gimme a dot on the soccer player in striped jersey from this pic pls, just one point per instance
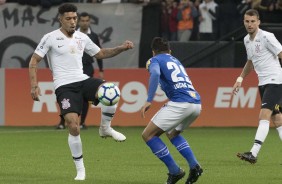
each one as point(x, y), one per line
point(182, 109)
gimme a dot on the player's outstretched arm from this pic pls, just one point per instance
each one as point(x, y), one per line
point(237, 85)
point(246, 70)
point(145, 108)
point(155, 73)
point(35, 90)
point(111, 52)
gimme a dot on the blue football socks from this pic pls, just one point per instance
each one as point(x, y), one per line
point(160, 150)
point(184, 149)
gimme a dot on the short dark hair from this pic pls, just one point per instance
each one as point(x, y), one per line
point(84, 14)
point(67, 8)
point(160, 45)
point(252, 12)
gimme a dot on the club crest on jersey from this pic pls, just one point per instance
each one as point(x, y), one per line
point(193, 94)
point(257, 48)
point(79, 45)
point(65, 103)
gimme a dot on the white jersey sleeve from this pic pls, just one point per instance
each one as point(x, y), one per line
point(272, 44)
point(91, 48)
point(44, 46)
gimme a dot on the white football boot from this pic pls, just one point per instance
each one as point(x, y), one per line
point(80, 174)
point(110, 132)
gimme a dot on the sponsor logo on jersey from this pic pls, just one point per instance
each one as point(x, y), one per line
point(180, 85)
point(59, 38)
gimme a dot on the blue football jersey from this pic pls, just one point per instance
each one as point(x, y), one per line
point(173, 79)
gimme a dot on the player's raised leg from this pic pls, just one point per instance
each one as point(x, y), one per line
point(75, 144)
point(105, 130)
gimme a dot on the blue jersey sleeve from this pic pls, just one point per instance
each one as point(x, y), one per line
point(155, 73)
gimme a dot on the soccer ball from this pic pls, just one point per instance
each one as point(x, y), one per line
point(108, 94)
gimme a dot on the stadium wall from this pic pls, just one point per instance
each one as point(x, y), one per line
point(23, 26)
point(2, 96)
point(219, 107)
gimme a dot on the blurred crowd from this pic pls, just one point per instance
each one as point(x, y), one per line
point(49, 3)
point(196, 20)
point(206, 20)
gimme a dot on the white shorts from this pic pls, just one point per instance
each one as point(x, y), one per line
point(176, 115)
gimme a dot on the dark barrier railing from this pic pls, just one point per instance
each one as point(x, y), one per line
point(213, 50)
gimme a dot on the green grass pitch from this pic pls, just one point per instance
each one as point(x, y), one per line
point(40, 155)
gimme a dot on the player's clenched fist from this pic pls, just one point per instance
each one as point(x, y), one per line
point(128, 44)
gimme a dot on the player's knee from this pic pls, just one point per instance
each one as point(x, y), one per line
point(265, 114)
point(277, 119)
point(74, 129)
point(73, 125)
point(145, 136)
point(172, 134)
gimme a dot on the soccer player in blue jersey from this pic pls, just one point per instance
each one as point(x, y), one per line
point(182, 109)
